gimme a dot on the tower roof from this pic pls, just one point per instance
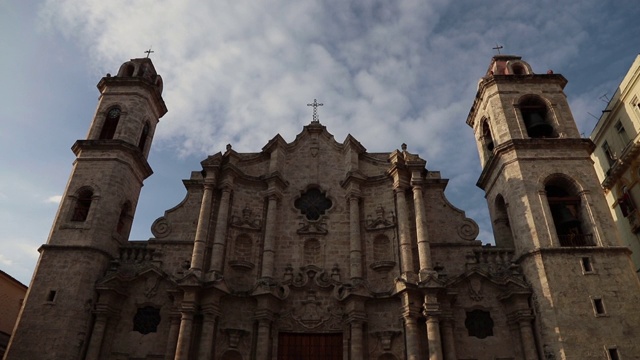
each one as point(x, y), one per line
point(502, 64)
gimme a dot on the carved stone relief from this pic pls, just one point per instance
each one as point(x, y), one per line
point(248, 220)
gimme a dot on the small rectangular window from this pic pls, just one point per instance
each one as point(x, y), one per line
point(598, 307)
point(52, 296)
point(613, 354)
point(587, 267)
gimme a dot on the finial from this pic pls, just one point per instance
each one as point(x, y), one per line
point(228, 147)
point(404, 147)
point(497, 48)
point(149, 52)
point(315, 111)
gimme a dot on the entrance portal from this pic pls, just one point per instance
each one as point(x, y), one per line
point(309, 346)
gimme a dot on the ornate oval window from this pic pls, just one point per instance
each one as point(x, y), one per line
point(313, 203)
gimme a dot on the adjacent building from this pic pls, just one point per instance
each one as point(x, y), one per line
point(12, 294)
point(617, 158)
point(320, 249)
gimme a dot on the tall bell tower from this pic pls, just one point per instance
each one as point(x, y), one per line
point(94, 217)
point(545, 202)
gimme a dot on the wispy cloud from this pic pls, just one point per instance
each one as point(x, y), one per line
point(241, 71)
point(55, 199)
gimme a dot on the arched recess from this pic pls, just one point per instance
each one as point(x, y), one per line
point(144, 136)
point(486, 138)
point(243, 248)
point(127, 69)
point(570, 217)
point(125, 219)
point(110, 123)
point(501, 224)
point(519, 68)
point(82, 204)
point(381, 248)
point(538, 119)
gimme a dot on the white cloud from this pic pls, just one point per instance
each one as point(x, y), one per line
point(55, 199)
point(388, 72)
point(5, 261)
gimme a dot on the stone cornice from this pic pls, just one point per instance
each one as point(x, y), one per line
point(495, 161)
point(105, 145)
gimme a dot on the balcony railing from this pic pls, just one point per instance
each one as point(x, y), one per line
point(576, 240)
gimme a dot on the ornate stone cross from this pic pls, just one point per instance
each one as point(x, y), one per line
point(315, 110)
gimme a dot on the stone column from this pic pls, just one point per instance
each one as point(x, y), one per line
point(95, 344)
point(264, 340)
point(210, 312)
point(549, 228)
point(202, 231)
point(411, 335)
point(357, 340)
point(184, 337)
point(406, 256)
point(172, 339)
point(448, 339)
point(527, 338)
point(355, 244)
point(433, 336)
point(220, 236)
point(424, 251)
point(268, 255)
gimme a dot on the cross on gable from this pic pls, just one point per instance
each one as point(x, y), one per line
point(498, 47)
point(149, 52)
point(315, 110)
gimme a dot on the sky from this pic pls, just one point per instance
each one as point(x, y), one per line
point(239, 72)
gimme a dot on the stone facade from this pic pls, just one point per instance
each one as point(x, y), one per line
point(320, 249)
point(617, 158)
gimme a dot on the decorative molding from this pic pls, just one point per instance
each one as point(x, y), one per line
point(247, 221)
point(161, 227)
point(313, 228)
point(382, 221)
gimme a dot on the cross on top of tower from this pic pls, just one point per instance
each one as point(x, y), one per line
point(149, 52)
point(498, 47)
point(315, 110)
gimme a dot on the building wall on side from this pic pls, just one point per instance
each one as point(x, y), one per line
point(617, 158)
point(12, 294)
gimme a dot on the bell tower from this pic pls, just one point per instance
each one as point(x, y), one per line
point(545, 202)
point(94, 217)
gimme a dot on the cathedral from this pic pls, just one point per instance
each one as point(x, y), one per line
point(319, 249)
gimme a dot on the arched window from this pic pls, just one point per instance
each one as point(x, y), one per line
point(518, 69)
point(129, 70)
point(536, 118)
point(143, 136)
point(567, 213)
point(123, 219)
point(501, 225)
point(110, 124)
point(82, 206)
point(487, 138)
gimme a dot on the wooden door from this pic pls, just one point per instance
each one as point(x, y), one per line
point(309, 346)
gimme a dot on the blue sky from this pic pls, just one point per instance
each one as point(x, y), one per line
point(239, 72)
